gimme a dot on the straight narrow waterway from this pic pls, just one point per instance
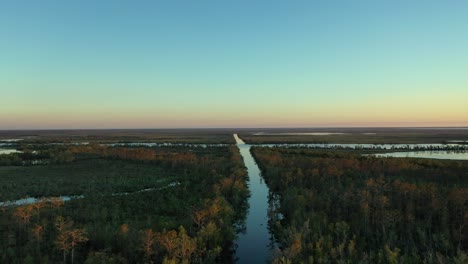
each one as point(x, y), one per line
point(253, 245)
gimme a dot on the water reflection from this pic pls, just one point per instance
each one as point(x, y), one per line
point(440, 154)
point(153, 144)
point(428, 146)
point(253, 245)
point(66, 198)
point(8, 151)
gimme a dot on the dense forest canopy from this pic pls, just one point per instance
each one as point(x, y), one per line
point(101, 202)
point(342, 207)
point(134, 205)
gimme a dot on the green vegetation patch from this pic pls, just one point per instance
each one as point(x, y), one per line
point(81, 177)
point(192, 216)
point(342, 207)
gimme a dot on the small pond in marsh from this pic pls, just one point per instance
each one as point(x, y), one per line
point(8, 151)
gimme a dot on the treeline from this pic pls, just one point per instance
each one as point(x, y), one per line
point(194, 221)
point(50, 154)
point(380, 137)
point(339, 207)
point(73, 137)
point(398, 147)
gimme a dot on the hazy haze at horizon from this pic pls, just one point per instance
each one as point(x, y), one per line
point(162, 64)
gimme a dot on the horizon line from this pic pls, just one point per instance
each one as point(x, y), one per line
point(214, 128)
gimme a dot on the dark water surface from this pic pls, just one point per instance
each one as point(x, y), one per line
point(253, 246)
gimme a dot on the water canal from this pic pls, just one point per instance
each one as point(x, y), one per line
point(253, 245)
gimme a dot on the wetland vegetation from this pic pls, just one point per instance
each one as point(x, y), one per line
point(188, 136)
point(330, 206)
point(356, 135)
point(193, 221)
point(188, 201)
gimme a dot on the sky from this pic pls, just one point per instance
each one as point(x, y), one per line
point(245, 63)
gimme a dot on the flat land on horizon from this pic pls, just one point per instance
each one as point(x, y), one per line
point(250, 135)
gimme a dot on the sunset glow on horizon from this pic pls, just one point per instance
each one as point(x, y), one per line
point(214, 64)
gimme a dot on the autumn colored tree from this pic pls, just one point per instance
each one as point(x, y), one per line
point(68, 238)
point(178, 245)
point(148, 240)
point(23, 214)
point(63, 244)
point(76, 237)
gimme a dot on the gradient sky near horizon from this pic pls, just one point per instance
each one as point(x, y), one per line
point(245, 63)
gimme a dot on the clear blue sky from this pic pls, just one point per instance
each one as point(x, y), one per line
point(145, 64)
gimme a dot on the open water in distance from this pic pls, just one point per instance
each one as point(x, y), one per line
point(437, 154)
